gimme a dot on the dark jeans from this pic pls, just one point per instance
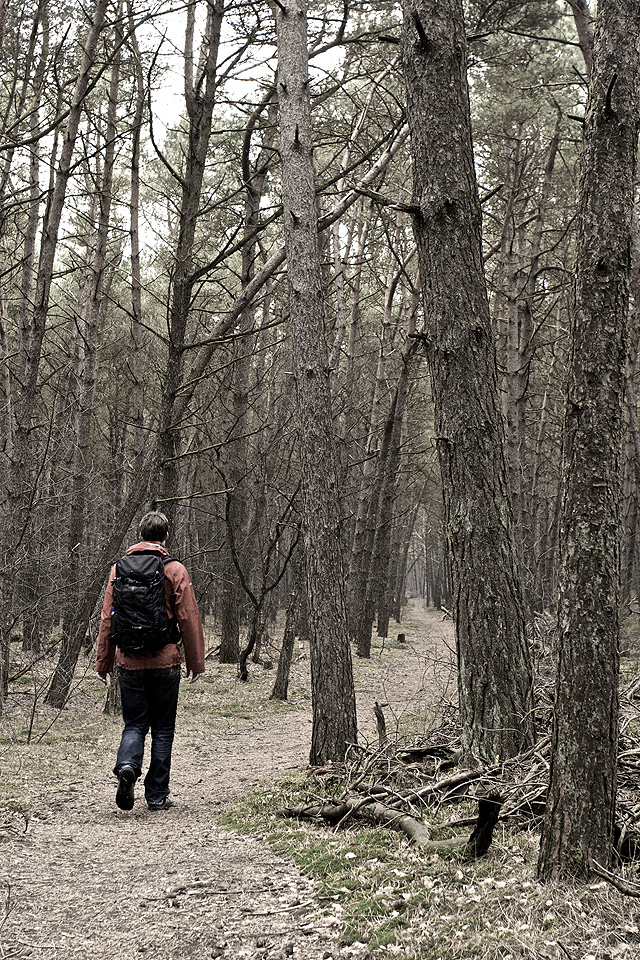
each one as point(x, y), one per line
point(149, 700)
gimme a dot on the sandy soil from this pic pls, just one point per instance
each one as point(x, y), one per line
point(80, 878)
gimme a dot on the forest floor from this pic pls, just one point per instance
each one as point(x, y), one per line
point(80, 878)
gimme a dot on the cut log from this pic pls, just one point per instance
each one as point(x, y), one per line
point(381, 724)
point(488, 814)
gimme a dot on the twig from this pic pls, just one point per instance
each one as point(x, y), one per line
point(411, 208)
point(624, 886)
point(270, 913)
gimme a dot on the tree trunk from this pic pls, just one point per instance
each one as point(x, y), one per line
point(200, 85)
point(235, 452)
point(584, 27)
point(579, 819)
point(368, 495)
point(137, 331)
point(519, 272)
point(495, 686)
point(89, 319)
point(629, 552)
point(545, 481)
point(281, 685)
point(334, 710)
point(382, 582)
point(372, 547)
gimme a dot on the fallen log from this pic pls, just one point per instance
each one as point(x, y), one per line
point(418, 832)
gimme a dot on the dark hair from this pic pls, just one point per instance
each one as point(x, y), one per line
point(154, 527)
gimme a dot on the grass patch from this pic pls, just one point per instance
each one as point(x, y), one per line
point(400, 902)
point(237, 711)
point(356, 873)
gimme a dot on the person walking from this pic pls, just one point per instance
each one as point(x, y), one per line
point(149, 610)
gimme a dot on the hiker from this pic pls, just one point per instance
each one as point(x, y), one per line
point(149, 609)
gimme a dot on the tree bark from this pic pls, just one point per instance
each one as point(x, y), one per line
point(333, 696)
point(495, 686)
point(579, 819)
point(629, 549)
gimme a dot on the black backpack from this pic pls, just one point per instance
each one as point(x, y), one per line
point(139, 620)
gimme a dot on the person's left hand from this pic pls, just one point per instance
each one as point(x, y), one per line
point(102, 677)
point(192, 676)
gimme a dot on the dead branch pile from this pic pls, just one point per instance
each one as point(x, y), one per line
point(408, 785)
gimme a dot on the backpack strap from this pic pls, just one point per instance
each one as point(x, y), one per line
point(175, 624)
point(151, 553)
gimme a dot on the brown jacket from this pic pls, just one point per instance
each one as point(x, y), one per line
point(182, 605)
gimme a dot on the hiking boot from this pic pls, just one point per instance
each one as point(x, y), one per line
point(160, 804)
point(126, 782)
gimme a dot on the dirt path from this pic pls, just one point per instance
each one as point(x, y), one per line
point(79, 878)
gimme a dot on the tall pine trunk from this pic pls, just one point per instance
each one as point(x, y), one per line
point(333, 696)
point(89, 319)
point(200, 88)
point(495, 686)
point(579, 819)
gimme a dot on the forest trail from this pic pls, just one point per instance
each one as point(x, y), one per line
point(79, 878)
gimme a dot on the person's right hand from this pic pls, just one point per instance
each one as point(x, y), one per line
point(192, 676)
